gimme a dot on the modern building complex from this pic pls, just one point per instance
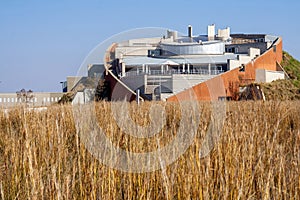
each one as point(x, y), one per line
point(173, 67)
point(201, 67)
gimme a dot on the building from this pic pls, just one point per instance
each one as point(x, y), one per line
point(32, 99)
point(211, 66)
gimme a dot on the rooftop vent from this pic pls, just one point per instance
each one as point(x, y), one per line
point(190, 31)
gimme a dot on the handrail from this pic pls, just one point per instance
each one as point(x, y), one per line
point(171, 72)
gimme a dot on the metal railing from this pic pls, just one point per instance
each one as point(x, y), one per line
point(170, 72)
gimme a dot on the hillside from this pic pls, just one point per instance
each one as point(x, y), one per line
point(288, 89)
point(285, 89)
point(292, 67)
point(281, 90)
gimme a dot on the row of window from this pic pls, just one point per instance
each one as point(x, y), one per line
point(52, 99)
point(32, 100)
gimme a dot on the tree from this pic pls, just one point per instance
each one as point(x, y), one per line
point(102, 90)
point(25, 96)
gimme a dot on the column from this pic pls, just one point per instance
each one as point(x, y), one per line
point(188, 68)
point(162, 69)
point(123, 69)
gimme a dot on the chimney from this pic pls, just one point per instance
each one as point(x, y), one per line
point(211, 32)
point(190, 31)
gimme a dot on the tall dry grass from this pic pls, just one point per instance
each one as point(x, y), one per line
point(257, 157)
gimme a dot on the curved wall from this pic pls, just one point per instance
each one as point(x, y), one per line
point(193, 49)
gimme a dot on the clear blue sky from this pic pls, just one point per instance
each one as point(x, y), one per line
point(42, 42)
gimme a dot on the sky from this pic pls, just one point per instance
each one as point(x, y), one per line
point(43, 42)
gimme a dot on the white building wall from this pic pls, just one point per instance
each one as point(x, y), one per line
point(138, 47)
point(84, 97)
point(78, 99)
point(244, 59)
point(211, 31)
point(38, 99)
point(194, 49)
point(132, 51)
point(267, 76)
point(224, 34)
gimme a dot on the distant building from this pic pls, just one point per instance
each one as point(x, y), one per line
point(35, 99)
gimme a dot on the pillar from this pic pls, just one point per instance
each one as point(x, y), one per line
point(123, 69)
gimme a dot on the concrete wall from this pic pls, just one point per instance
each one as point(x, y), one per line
point(211, 32)
point(39, 99)
point(267, 76)
point(217, 48)
point(84, 97)
point(138, 47)
point(243, 48)
point(227, 84)
point(135, 82)
point(224, 34)
point(133, 51)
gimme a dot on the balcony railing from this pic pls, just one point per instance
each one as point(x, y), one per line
point(170, 72)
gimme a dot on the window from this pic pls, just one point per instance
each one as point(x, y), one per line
point(274, 48)
point(0, 100)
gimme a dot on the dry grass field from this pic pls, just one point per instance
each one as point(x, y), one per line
point(257, 156)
